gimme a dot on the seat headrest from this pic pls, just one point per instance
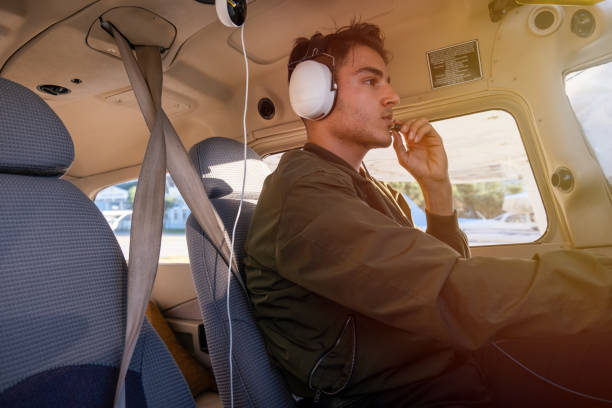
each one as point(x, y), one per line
point(33, 139)
point(218, 160)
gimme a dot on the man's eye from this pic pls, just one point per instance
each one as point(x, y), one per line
point(370, 81)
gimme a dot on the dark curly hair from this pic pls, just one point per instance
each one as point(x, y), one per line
point(339, 43)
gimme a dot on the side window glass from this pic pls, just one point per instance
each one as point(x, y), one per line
point(590, 94)
point(272, 160)
point(116, 203)
point(496, 197)
point(495, 193)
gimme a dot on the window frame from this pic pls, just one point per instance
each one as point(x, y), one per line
point(510, 103)
point(605, 59)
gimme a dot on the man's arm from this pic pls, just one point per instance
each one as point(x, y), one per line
point(420, 151)
point(333, 244)
point(445, 228)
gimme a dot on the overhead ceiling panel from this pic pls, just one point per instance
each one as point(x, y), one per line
point(300, 18)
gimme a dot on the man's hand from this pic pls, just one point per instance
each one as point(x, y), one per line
point(424, 157)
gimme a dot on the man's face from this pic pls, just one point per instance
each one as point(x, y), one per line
point(362, 114)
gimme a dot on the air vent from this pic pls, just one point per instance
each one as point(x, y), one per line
point(54, 90)
point(545, 20)
point(583, 23)
point(563, 179)
point(266, 108)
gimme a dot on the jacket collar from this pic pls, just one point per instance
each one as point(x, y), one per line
point(325, 154)
point(375, 197)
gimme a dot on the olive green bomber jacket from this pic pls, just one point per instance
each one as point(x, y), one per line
point(352, 298)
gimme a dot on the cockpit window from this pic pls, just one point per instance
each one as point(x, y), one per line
point(115, 203)
point(590, 94)
point(496, 196)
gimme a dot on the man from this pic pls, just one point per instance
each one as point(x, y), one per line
point(359, 308)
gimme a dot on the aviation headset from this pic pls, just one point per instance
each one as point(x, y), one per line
point(313, 87)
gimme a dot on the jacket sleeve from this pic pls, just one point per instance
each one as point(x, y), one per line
point(445, 228)
point(332, 243)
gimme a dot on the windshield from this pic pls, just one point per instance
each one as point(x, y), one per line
point(590, 94)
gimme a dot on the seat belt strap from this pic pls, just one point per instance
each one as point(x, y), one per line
point(179, 164)
point(164, 149)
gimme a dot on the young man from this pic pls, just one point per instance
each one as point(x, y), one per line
point(359, 308)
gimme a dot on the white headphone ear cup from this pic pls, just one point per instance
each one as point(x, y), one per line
point(310, 90)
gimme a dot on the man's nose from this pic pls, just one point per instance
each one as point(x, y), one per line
point(391, 98)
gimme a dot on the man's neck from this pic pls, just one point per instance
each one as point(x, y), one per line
point(351, 153)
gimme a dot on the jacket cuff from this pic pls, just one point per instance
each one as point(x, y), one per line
point(442, 225)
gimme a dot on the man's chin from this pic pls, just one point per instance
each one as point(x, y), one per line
point(373, 139)
point(382, 141)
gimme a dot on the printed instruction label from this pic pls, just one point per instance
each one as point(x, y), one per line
point(454, 65)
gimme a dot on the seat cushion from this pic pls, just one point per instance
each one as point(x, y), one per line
point(63, 279)
point(219, 161)
point(63, 284)
point(256, 383)
point(33, 139)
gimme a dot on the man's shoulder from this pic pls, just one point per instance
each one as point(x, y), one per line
point(303, 166)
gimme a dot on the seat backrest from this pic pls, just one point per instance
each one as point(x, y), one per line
point(63, 279)
point(256, 382)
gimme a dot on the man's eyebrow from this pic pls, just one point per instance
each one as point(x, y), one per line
point(374, 71)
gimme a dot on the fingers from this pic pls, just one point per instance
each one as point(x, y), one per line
point(423, 131)
point(398, 143)
point(415, 130)
point(405, 126)
point(400, 136)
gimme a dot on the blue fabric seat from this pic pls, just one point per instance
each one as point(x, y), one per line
point(256, 382)
point(63, 280)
